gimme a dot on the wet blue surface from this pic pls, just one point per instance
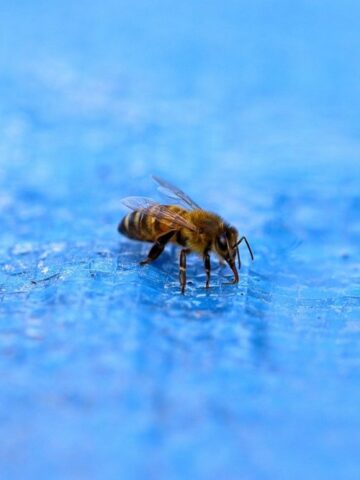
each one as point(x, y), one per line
point(106, 370)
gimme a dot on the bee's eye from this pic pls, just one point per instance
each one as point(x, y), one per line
point(222, 243)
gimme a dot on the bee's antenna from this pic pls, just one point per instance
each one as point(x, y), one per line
point(238, 255)
point(247, 244)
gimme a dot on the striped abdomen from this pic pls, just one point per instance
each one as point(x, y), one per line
point(135, 225)
point(141, 225)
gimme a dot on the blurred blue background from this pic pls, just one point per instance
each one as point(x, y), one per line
point(106, 370)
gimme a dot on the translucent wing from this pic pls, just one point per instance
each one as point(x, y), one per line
point(173, 192)
point(160, 212)
point(139, 203)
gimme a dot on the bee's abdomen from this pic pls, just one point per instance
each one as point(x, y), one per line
point(137, 225)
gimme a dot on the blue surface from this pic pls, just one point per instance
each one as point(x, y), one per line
point(106, 370)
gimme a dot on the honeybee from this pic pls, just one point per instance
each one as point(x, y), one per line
point(189, 226)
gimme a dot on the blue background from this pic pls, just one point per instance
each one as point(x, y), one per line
point(106, 370)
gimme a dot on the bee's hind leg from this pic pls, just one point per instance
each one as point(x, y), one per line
point(207, 269)
point(158, 247)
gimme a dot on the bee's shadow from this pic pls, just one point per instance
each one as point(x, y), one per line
point(158, 283)
point(157, 295)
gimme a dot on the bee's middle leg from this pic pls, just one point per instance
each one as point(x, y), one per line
point(182, 271)
point(158, 247)
point(207, 269)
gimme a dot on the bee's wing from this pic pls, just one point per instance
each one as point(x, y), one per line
point(160, 212)
point(173, 192)
point(138, 203)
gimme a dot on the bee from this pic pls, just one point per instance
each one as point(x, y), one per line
point(188, 226)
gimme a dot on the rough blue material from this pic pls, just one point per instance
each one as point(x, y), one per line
point(106, 370)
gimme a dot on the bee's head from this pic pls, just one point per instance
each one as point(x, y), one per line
point(225, 244)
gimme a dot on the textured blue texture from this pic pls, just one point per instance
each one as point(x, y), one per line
point(106, 370)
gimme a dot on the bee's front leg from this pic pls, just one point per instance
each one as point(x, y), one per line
point(207, 269)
